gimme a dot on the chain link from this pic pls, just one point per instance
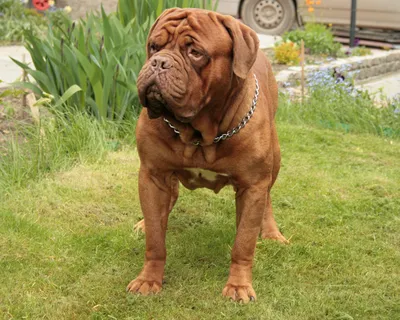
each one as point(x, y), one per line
point(236, 129)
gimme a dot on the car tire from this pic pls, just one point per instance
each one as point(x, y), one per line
point(269, 16)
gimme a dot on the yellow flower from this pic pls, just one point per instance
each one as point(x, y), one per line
point(318, 2)
point(310, 9)
point(67, 9)
point(51, 3)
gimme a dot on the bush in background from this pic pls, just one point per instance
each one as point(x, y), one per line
point(287, 52)
point(318, 39)
point(360, 51)
point(15, 18)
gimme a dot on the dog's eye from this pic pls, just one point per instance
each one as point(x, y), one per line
point(195, 54)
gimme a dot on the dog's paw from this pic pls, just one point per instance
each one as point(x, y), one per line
point(276, 235)
point(144, 287)
point(239, 293)
point(139, 227)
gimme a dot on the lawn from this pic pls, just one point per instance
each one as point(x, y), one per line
point(68, 248)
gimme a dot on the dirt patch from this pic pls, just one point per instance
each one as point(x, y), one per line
point(12, 113)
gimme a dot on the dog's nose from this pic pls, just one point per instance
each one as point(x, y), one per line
point(161, 63)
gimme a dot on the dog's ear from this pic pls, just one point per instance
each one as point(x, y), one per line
point(245, 45)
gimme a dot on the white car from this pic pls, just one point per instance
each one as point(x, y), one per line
point(277, 16)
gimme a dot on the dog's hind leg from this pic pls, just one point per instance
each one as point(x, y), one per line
point(269, 228)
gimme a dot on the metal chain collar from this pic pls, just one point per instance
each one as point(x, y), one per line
point(233, 131)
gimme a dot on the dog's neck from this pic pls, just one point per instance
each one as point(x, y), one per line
point(216, 118)
point(238, 103)
point(224, 115)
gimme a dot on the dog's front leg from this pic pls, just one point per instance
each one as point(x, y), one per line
point(158, 193)
point(250, 206)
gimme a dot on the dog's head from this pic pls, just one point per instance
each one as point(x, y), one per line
point(192, 57)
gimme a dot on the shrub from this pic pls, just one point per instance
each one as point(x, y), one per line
point(360, 51)
point(287, 52)
point(318, 39)
point(102, 55)
point(15, 18)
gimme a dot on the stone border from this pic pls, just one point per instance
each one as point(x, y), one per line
point(362, 68)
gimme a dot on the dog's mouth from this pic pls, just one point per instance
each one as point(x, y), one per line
point(157, 106)
point(184, 119)
point(155, 102)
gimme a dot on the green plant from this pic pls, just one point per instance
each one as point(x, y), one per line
point(100, 54)
point(335, 104)
point(287, 52)
point(9, 92)
point(318, 39)
point(360, 51)
point(141, 11)
point(56, 143)
point(15, 19)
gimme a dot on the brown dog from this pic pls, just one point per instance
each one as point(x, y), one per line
point(203, 76)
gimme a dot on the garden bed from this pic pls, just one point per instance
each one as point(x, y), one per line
point(379, 63)
point(309, 58)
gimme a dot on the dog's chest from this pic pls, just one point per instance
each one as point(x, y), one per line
point(193, 178)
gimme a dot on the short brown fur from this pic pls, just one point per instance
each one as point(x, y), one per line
point(204, 96)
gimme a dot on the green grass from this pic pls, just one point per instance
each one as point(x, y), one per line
point(342, 108)
point(57, 143)
point(68, 249)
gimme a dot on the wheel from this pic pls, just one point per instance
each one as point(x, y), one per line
point(40, 5)
point(269, 16)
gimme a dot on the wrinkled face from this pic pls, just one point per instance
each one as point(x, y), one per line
point(188, 66)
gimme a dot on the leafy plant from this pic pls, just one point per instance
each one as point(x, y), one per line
point(287, 52)
point(140, 11)
point(9, 92)
point(360, 51)
point(15, 18)
point(99, 55)
point(318, 39)
point(102, 55)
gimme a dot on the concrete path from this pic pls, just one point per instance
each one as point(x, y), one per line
point(389, 84)
point(268, 41)
point(9, 71)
